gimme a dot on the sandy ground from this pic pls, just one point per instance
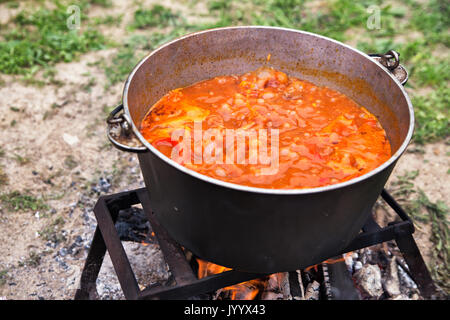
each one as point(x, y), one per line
point(63, 161)
point(432, 179)
point(59, 133)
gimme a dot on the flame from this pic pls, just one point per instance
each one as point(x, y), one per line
point(243, 291)
point(249, 290)
point(206, 268)
point(246, 290)
point(330, 261)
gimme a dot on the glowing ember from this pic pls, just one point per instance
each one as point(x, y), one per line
point(250, 290)
point(243, 291)
point(330, 261)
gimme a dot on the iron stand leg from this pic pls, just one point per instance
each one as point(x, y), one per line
point(87, 289)
point(416, 265)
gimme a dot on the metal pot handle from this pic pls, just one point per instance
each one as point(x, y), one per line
point(391, 61)
point(120, 133)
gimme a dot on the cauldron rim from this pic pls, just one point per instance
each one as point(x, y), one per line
point(244, 188)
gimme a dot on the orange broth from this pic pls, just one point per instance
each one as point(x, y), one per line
point(324, 137)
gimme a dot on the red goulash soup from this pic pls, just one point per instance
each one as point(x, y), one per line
point(323, 136)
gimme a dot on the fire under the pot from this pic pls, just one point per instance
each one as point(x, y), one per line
point(277, 286)
point(153, 266)
point(331, 279)
point(247, 290)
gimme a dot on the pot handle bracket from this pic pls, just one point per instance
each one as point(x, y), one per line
point(391, 61)
point(120, 133)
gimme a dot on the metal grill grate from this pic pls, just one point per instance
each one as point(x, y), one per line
point(186, 283)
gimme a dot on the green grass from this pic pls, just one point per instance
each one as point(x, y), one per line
point(21, 160)
point(120, 66)
point(103, 3)
point(52, 232)
point(3, 177)
point(132, 51)
point(432, 19)
point(70, 162)
point(3, 276)
point(157, 15)
point(332, 19)
point(432, 115)
point(16, 201)
point(432, 73)
point(108, 20)
point(136, 45)
point(33, 260)
point(41, 38)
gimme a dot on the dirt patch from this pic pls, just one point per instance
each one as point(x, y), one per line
point(59, 131)
point(433, 162)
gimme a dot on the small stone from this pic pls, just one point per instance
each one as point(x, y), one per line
point(312, 291)
point(392, 283)
point(415, 296)
point(63, 265)
point(349, 263)
point(51, 244)
point(369, 279)
point(405, 279)
point(78, 241)
point(103, 185)
point(63, 252)
point(70, 140)
point(358, 265)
